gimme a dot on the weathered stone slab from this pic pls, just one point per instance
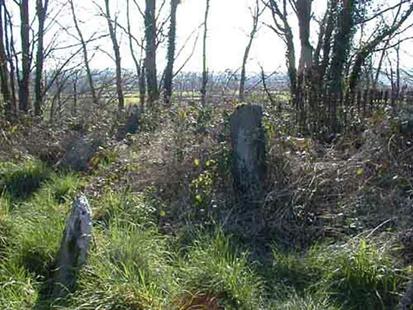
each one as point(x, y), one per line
point(73, 248)
point(248, 153)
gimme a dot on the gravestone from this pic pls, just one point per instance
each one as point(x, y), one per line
point(73, 248)
point(248, 154)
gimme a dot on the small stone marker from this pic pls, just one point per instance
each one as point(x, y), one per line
point(74, 247)
point(248, 153)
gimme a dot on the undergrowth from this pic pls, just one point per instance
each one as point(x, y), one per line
point(165, 224)
point(132, 265)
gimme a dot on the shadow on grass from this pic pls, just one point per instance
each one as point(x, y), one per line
point(20, 182)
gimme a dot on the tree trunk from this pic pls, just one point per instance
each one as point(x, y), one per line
point(341, 45)
point(303, 11)
point(150, 60)
point(253, 32)
point(340, 55)
point(74, 110)
point(304, 18)
point(142, 87)
point(85, 55)
point(169, 71)
point(326, 44)
point(116, 51)
point(140, 72)
point(8, 42)
point(24, 80)
point(4, 78)
point(291, 65)
point(41, 11)
point(204, 57)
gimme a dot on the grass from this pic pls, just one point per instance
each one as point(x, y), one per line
point(130, 268)
point(353, 275)
point(213, 267)
point(361, 276)
point(132, 265)
point(19, 181)
point(34, 231)
point(288, 299)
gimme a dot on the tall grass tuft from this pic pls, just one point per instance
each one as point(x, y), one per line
point(213, 267)
point(18, 288)
point(126, 207)
point(361, 276)
point(129, 269)
point(21, 181)
point(64, 187)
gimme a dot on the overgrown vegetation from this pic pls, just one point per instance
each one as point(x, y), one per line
point(200, 199)
point(168, 234)
point(134, 266)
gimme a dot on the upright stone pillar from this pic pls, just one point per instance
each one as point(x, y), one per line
point(248, 154)
point(73, 248)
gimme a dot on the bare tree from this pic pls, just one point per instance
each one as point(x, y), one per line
point(41, 13)
point(85, 54)
point(169, 70)
point(204, 56)
point(368, 48)
point(116, 51)
point(140, 69)
point(281, 26)
point(256, 12)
